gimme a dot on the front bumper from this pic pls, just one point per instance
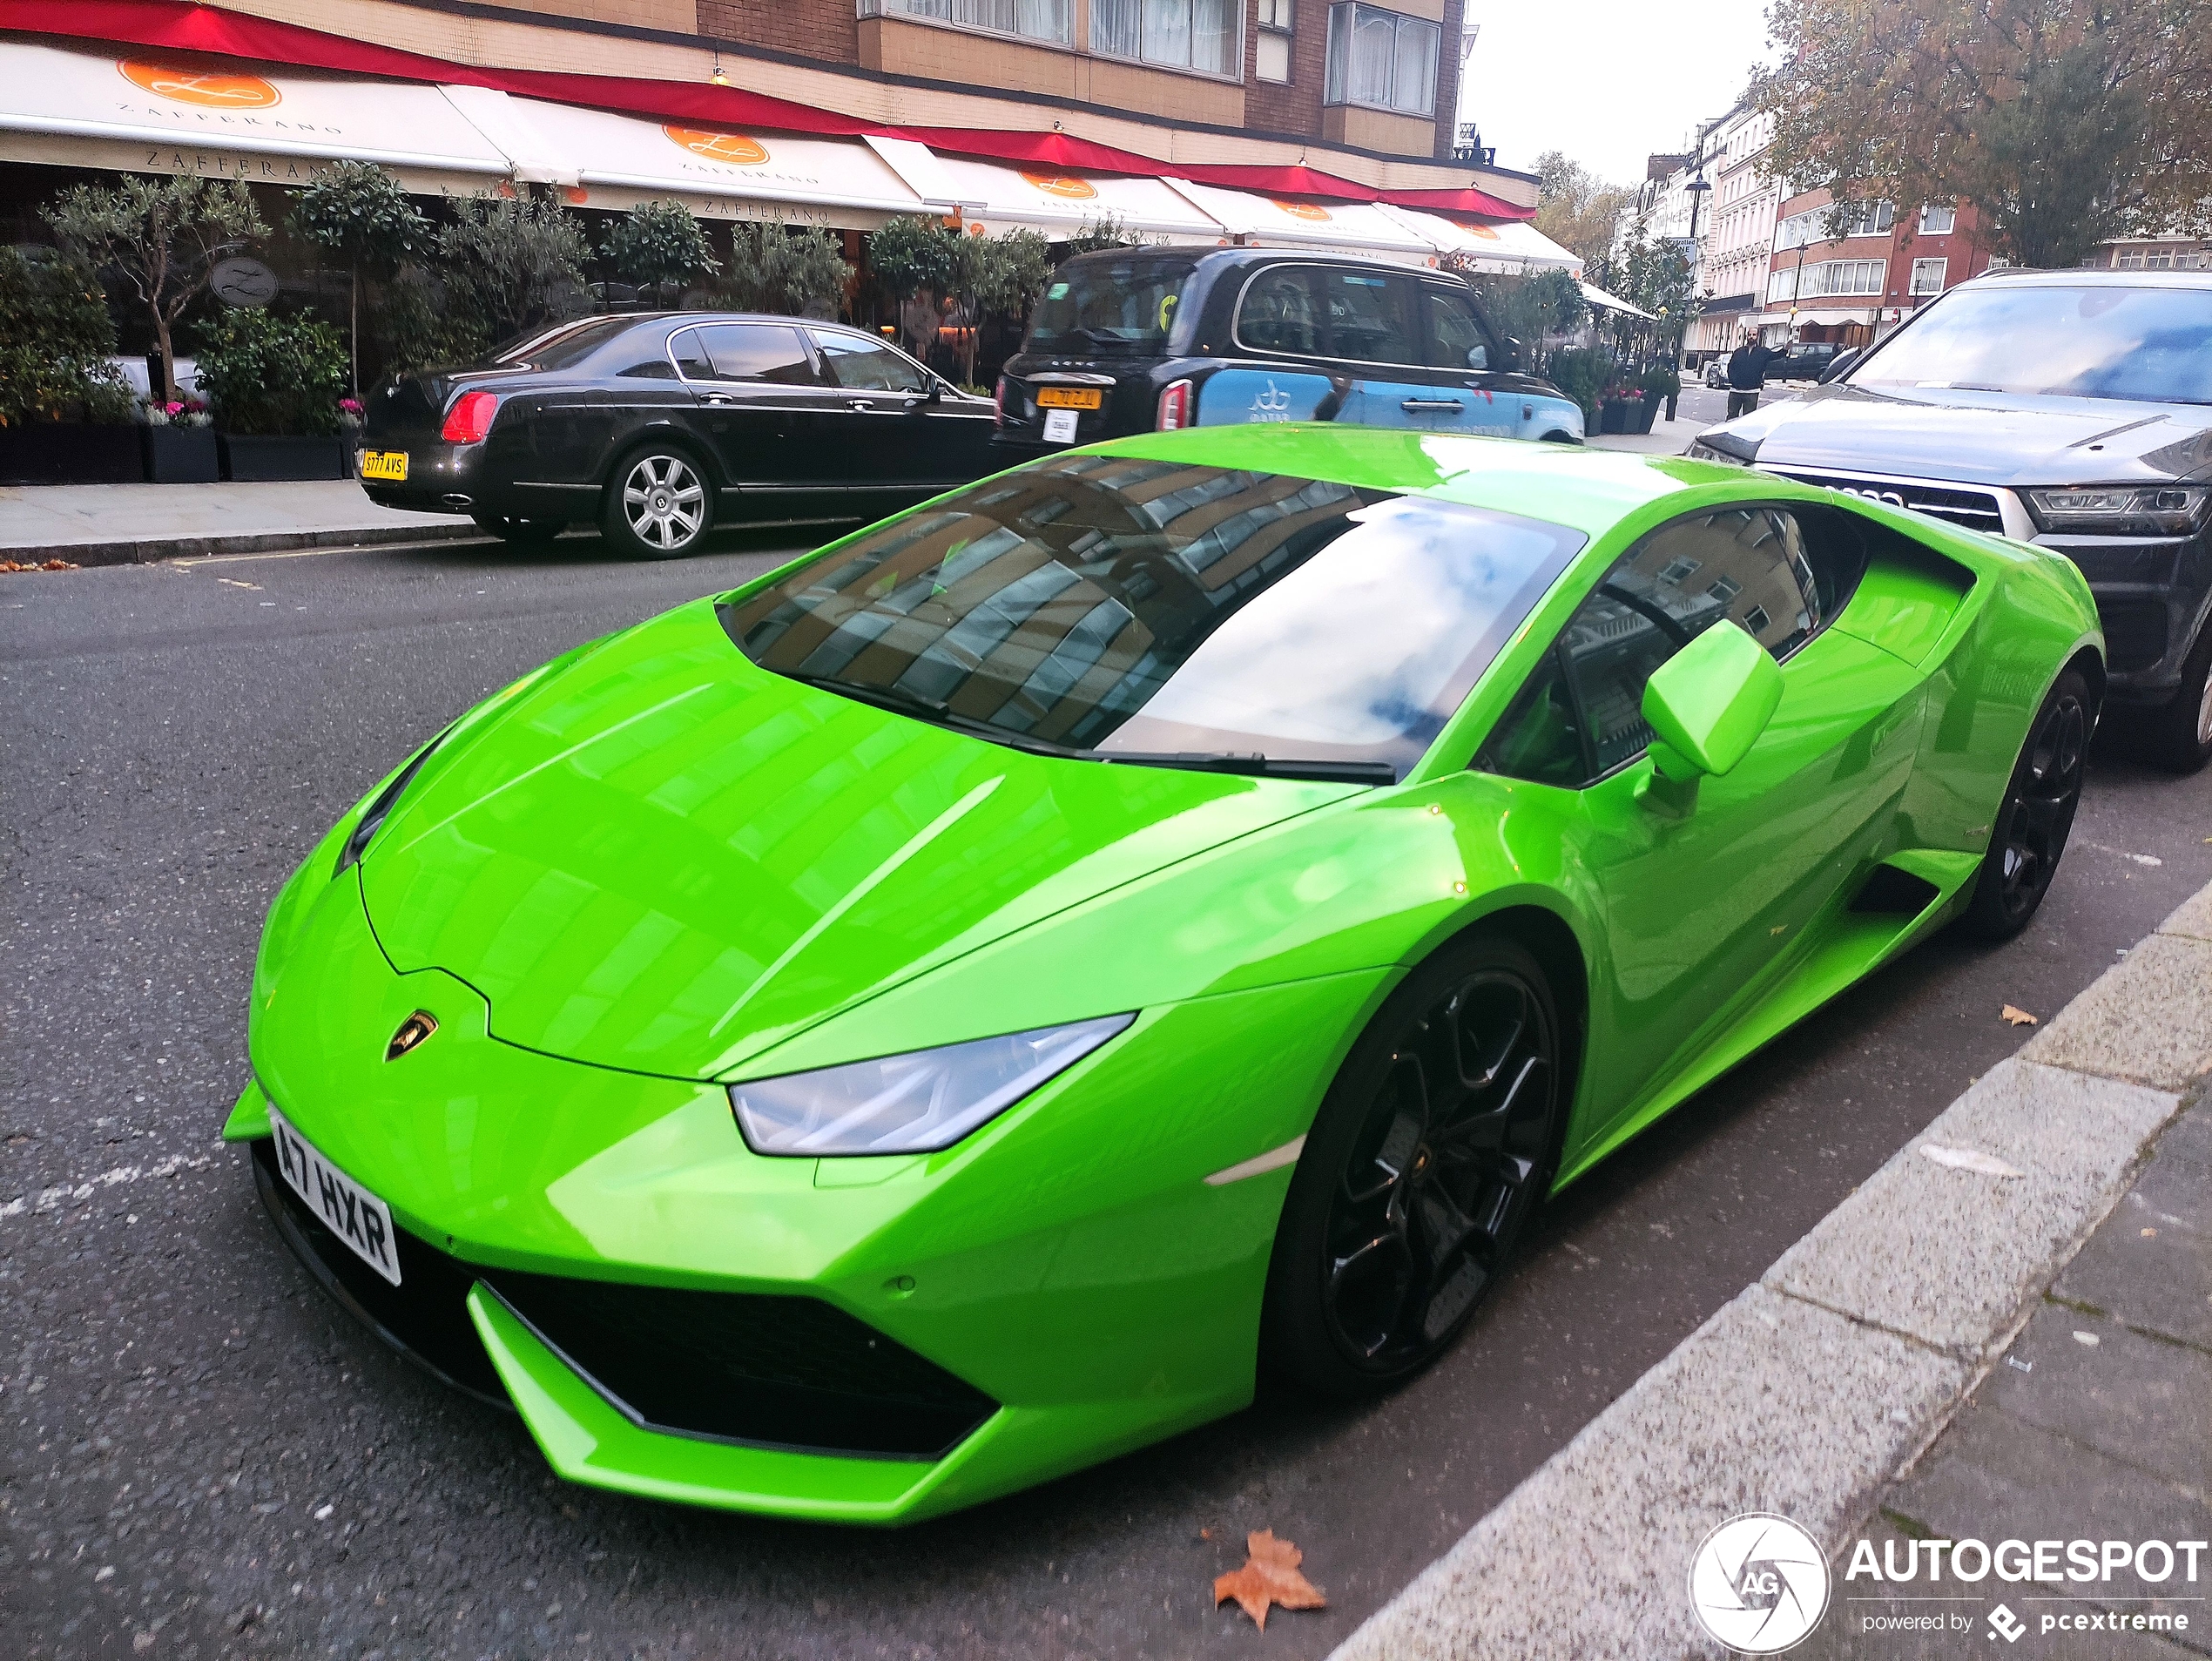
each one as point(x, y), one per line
point(859, 1341)
point(2153, 595)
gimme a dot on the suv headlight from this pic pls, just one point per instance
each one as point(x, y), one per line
point(916, 1102)
point(1701, 451)
point(2122, 510)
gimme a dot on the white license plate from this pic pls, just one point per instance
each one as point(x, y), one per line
point(1060, 426)
point(347, 1210)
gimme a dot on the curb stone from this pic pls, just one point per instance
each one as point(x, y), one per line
point(1811, 1390)
point(148, 550)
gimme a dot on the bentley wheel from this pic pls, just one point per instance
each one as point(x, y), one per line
point(1434, 1147)
point(2030, 832)
point(659, 507)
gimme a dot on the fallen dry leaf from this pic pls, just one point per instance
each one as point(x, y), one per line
point(2018, 1017)
point(1269, 1575)
point(57, 565)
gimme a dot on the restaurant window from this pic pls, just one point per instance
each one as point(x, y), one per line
point(1381, 59)
point(1271, 61)
point(1928, 274)
point(1178, 33)
point(1046, 20)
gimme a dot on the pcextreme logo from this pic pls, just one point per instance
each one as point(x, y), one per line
point(1758, 1583)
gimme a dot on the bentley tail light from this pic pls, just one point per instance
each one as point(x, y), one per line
point(1175, 407)
point(471, 418)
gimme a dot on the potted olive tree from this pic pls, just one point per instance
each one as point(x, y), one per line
point(64, 412)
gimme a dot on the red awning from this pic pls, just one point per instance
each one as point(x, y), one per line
point(178, 25)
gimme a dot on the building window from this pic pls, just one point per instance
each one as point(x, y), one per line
point(1273, 54)
point(1828, 277)
point(1180, 34)
point(1870, 218)
point(1937, 221)
point(1046, 20)
point(1381, 59)
point(1927, 276)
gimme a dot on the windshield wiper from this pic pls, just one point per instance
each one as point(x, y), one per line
point(1266, 766)
point(935, 712)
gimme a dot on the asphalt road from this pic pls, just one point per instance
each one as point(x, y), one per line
point(200, 1456)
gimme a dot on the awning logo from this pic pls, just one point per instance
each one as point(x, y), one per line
point(734, 148)
point(1758, 1583)
point(1062, 184)
point(1312, 211)
point(213, 89)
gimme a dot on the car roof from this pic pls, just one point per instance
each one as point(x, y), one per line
point(1589, 491)
point(1220, 259)
point(2092, 276)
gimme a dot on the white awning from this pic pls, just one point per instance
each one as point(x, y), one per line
point(1605, 302)
point(620, 160)
point(1869, 313)
point(1000, 197)
point(1340, 228)
point(1507, 246)
point(156, 112)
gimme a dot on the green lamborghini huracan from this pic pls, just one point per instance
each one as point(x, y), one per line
point(963, 1005)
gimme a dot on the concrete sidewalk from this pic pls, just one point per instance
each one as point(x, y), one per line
point(1912, 1365)
point(1665, 438)
point(128, 524)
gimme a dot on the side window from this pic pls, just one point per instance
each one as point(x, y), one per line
point(1280, 312)
point(1456, 337)
point(1582, 714)
point(1370, 317)
point(866, 366)
point(767, 352)
point(690, 352)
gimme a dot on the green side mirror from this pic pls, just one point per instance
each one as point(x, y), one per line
point(1707, 705)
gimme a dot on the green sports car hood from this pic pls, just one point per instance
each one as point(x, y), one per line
point(664, 858)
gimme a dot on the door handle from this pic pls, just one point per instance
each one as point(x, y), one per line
point(859, 403)
point(719, 399)
point(1411, 404)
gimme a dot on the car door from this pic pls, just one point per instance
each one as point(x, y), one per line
point(764, 407)
point(899, 434)
point(1470, 369)
point(1706, 911)
point(1372, 327)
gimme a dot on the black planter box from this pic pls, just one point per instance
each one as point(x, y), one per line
point(266, 457)
point(71, 453)
point(1613, 417)
point(182, 455)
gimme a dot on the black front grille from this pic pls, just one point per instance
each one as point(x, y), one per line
point(2134, 633)
point(779, 1371)
point(1976, 509)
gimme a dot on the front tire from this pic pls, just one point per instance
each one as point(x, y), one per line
point(2030, 834)
point(659, 504)
point(2177, 737)
point(1433, 1148)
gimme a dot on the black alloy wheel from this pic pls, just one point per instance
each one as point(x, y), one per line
point(2029, 835)
point(1435, 1145)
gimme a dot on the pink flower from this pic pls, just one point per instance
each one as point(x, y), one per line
point(349, 405)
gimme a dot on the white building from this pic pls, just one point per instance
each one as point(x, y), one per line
point(1738, 240)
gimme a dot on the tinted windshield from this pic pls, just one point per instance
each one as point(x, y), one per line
point(570, 344)
point(2091, 342)
point(1105, 605)
point(1110, 304)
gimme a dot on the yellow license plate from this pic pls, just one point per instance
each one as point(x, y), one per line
point(384, 464)
point(1070, 397)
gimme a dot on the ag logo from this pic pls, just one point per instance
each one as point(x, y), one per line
point(1758, 1583)
point(216, 89)
point(413, 1031)
point(732, 147)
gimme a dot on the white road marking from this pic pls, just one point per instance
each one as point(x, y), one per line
point(2139, 858)
point(53, 1199)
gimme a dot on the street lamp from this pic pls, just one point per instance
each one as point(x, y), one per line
point(1697, 187)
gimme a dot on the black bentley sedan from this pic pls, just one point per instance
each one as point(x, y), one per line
point(658, 426)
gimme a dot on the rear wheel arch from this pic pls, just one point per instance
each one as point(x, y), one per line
point(626, 448)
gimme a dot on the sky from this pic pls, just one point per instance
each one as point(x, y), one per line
point(1608, 81)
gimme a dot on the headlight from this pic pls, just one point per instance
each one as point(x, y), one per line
point(373, 817)
point(1724, 447)
point(1698, 452)
point(2122, 510)
point(917, 1103)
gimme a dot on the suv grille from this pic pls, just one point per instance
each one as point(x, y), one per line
point(1976, 509)
point(767, 1368)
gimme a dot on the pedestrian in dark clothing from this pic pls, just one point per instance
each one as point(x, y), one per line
point(1746, 375)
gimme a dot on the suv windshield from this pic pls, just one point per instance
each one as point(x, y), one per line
point(1116, 305)
point(2093, 341)
point(1156, 611)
